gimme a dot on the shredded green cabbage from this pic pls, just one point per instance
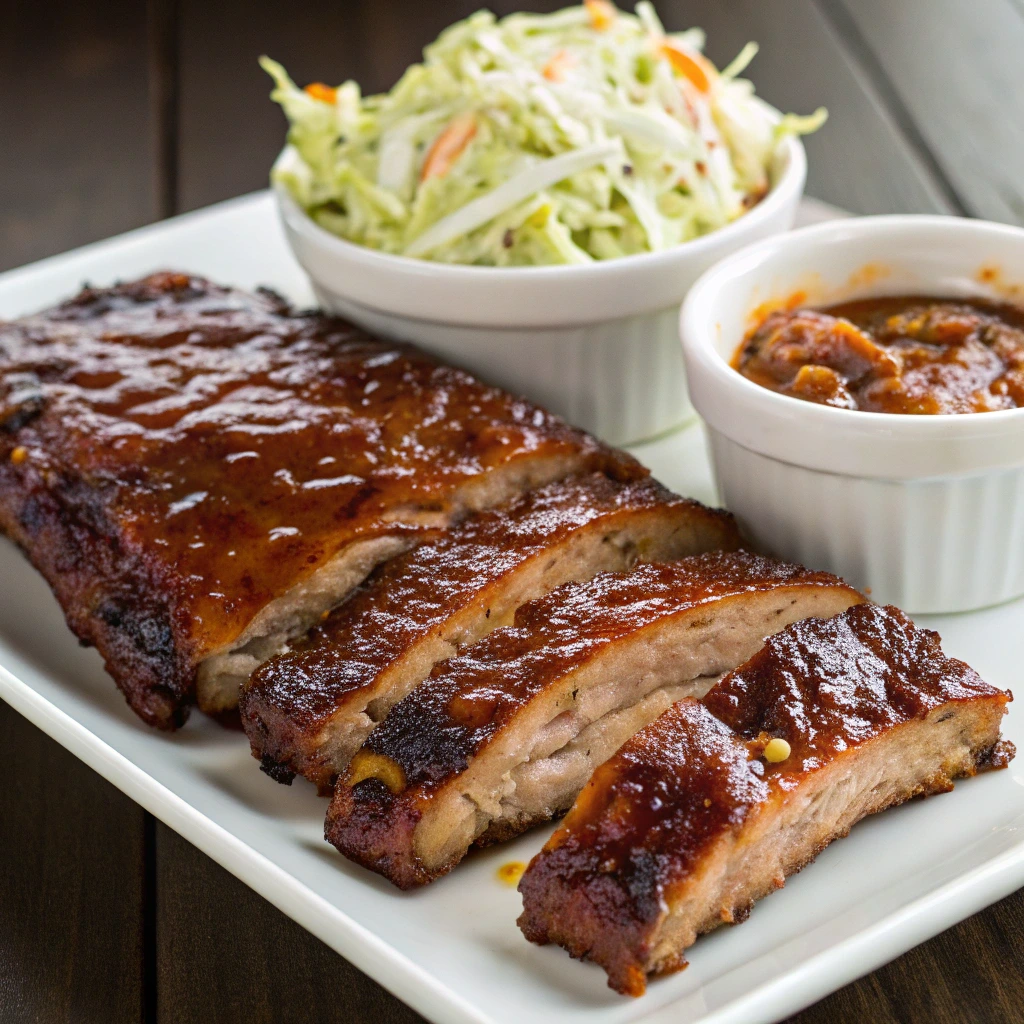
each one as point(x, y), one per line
point(537, 139)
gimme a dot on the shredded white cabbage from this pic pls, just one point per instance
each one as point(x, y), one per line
point(537, 139)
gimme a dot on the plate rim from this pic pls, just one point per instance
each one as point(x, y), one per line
point(847, 959)
point(794, 989)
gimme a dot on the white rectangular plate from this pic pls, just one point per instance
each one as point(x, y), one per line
point(452, 950)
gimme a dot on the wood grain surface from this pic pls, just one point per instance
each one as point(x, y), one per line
point(77, 160)
point(76, 164)
point(957, 76)
point(114, 114)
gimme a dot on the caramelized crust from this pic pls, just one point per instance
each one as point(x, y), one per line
point(598, 887)
point(824, 686)
point(504, 735)
point(175, 457)
point(308, 711)
point(689, 823)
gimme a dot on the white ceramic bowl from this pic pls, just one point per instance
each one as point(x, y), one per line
point(596, 344)
point(927, 512)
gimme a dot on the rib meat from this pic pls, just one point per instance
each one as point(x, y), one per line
point(506, 734)
point(309, 710)
point(199, 472)
point(689, 823)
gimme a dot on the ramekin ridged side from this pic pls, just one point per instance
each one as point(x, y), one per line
point(926, 512)
point(915, 544)
point(621, 379)
point(595, 343)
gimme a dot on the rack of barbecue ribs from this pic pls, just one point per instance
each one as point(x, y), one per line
point(505, 735)
point(713, 805)
point(200, 473)
point(309, 710)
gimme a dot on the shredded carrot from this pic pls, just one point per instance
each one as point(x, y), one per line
point(448, 145)
point(602, 13)
point(691, 65)
point(321, 92)
point(560, 63)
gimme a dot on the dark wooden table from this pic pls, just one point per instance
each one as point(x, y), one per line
point(114, 114)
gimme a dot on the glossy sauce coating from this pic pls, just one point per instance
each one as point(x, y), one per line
point(476, 701)
point(412, 595)
point(823, 685)
point(647, 817)
point(468, 700)
point(653, 811)
point(904, 354)
point(827, 685)
point(229, 447)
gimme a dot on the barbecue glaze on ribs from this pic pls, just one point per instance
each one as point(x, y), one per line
point(689, 823)
point(308, 710)
point(199, 473)
point(506, 734)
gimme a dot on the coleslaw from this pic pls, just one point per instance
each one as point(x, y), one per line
point(581, 135)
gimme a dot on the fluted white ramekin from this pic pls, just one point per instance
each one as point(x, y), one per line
point(596, 343)
point(926, 512)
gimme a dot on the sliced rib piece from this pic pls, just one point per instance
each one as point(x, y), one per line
point(690, 823)
point(506, 734)
point(309, 710)
point(199, 473)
